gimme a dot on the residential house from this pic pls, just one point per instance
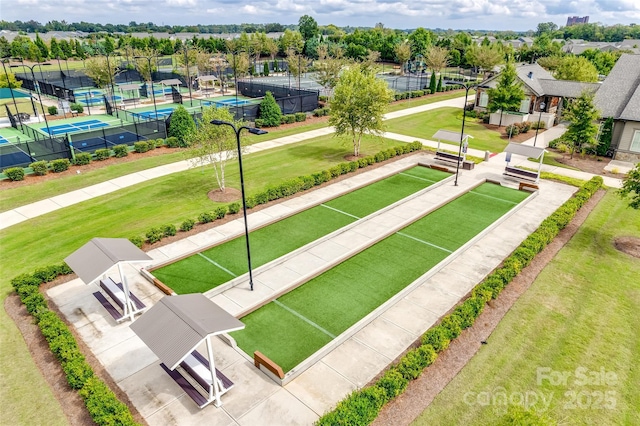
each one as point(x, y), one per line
point(540, 88)
point(619, 98)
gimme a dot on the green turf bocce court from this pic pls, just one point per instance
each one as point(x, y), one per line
point(222, 263)
point(297, 324)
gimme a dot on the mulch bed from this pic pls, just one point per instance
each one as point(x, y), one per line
point(422, 391)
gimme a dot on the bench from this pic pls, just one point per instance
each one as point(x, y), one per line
point(198, 367)
point(448, 157)
point(116, 293)
point(130, 101)
point(520, 174)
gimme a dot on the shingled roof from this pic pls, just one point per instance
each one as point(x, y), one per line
point(619, 94)
point(567, 89)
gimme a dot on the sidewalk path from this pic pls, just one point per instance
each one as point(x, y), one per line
point(39, 208)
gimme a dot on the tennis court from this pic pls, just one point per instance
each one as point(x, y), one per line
point(153, 114)
point(222, 263)
point(229, 102)
point(291, 328)
point(80, 126)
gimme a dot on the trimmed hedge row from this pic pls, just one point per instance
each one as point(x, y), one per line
point(102, 404)
point(362, 406)
point(285, 189)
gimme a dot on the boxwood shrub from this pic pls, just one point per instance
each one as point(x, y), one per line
point(187, 225)
point(102, 154)
point(120, 151)
point(233, 208)
point(82, 159)
point(60, 165)
point(40, 168)
point(14, 173)
point(141, 146)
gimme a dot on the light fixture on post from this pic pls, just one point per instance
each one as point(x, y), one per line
point(186, 62)
point(36, 86)
point(9, 85)
point(541, 106)
point(467, 87)
point(153, 95)
point(237, 131)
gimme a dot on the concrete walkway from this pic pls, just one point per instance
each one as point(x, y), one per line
point(355, 358)
point(39, 208)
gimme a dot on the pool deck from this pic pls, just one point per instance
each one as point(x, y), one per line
point(256, 399)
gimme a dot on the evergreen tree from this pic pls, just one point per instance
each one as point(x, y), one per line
point(181, 125)
point(582, 114)
point(439, 88)
point(433, 84)
point(266, 69)
point(508, 93)
point(631, 187)
point(270, 112)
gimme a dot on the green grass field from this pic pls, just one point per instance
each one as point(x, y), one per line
point(581, 312)
point(426, 124)
point(296, 325)
point(204, 271)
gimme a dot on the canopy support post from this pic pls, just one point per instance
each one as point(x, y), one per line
point(214, 390)
point(129, 309)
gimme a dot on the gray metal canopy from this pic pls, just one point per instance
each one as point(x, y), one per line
point(526, 150)
point(99, 255)
point(448, 135)
point(171, 82)
point(207, 78)
point(133, 86)
point(176, 325)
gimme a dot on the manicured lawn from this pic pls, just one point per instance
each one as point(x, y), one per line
point(50, 238)
point(425, 100)
point(202, 272)
point(426, 124)
point(340, 297)
point(581, 312)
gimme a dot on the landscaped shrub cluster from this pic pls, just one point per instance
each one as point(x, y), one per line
point(418, 93)
point(42, 167)
point(14, 173)
point(82, 159)
point(517, 128)
point(321, 112)
point(362, 406)
point(101, 402)
point(285, 189)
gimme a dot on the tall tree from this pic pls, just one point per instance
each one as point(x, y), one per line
point(308, 27)
point(576, 68)
point(631, 188)
point(358, 104)
point(96, 68)
point(437, 58)
point(403, 53)
point(484, 57)
point(213, 145)
point(508, 93)
point(582, 114)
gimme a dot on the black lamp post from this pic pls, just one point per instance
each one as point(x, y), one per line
point(153, 95)
point(186, 61)
point(541, 107)
point(15, 104)
point(467, 87)
point(36, 86)
point(237, 131)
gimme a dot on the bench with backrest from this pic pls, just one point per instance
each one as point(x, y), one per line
point(129, 101)
point(116, 293)
point(447, 157)
point(521, 174)
point(197, 367)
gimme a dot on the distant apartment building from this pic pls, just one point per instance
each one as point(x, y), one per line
point(573, 20)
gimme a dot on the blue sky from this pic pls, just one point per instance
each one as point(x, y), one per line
point(517, 15)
